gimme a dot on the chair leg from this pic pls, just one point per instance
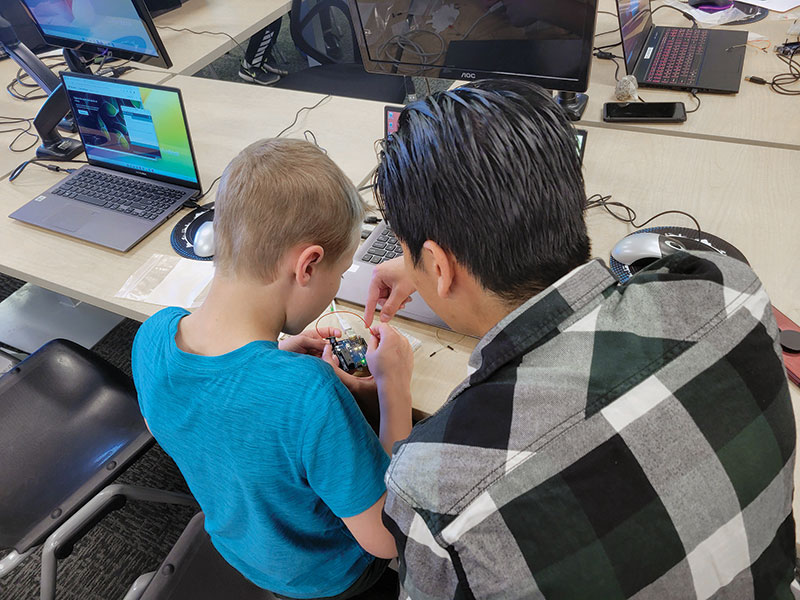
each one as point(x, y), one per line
point(12, 559)
point(68, 532)
point(139, 586)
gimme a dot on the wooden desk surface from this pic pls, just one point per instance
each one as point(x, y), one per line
point(239, 18)
point(756, 115)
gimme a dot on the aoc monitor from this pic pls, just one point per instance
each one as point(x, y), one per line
point(546, 41)
point(119, 28)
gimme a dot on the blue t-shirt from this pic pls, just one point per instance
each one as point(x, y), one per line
point(274, 449)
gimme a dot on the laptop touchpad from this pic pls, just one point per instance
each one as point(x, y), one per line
point(70, 218)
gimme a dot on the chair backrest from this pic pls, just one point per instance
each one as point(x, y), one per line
point(323, 30)
point(69, 424)
point(194, 570)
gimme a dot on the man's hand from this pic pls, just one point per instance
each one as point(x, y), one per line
point(309, 342)
point(390, 359)
point(390, 287)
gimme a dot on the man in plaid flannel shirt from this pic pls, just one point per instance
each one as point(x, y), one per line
point(611, 441)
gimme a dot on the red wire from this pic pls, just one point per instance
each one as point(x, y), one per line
point(334, 312)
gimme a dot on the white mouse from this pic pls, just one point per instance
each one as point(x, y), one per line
point(203, 243)
point(640, 246)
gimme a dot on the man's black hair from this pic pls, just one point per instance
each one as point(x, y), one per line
point(491, 173)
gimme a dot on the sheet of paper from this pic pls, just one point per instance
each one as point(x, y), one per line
point(776, 5)
point(169, 281)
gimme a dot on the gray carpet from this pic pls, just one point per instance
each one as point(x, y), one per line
point(136, 538)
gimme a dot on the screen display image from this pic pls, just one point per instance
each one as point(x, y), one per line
point(133, 127)
point(546, 39)
point(635, 22)
point(107, 23)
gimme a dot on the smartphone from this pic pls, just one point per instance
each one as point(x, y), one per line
point(656, 112)
point(391, 116)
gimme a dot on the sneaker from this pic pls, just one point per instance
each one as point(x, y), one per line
point(257, 75)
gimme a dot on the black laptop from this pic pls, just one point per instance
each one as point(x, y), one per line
point(681, 58)
point(141, 164)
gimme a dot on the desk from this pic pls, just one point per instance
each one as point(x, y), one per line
point(238, 18)
point(756, 115)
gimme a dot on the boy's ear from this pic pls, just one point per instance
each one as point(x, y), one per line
point(308, 260)
point(442, 264)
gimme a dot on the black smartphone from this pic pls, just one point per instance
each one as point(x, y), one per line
point(656, 112)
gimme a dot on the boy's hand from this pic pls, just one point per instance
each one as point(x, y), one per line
point(364, 389)
point(390, 359)
point(309, 342)
point(390, 287)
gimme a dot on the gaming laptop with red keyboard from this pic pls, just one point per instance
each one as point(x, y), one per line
point(681, 58)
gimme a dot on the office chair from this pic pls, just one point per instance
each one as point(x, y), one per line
point(194, 570)
point(69, 425)
point(325, 33)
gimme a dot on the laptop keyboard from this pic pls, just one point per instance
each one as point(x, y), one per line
point(122, 194)
point(383, 248)
point(678, 57)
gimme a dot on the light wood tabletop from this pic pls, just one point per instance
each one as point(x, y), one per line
point(756, 115)
point(240, 19)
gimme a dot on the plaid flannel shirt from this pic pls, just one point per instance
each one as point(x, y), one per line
point(613, 441)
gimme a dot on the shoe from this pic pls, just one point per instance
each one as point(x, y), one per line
point(257, 75)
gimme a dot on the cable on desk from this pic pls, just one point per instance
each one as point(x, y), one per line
point(204, 32)
point(195, 202)
point(696, 97)
point(39, 163)
point(779, 83)
point(695, 24)
point(297, 115)
point(600, 201)
point(602, 54)
point(21, 79)
point(405, 43)
point(6, 121)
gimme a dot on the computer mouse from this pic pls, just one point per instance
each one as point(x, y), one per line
point(203, 243)
point(649, 247)
point(717, 3)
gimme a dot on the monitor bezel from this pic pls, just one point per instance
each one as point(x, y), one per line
point(106, 165)
point(580, 84)
point(161, 59)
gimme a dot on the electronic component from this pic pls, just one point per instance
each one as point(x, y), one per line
point(352, 355)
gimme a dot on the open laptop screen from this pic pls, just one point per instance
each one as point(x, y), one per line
point(133, 127)
point(635, 22)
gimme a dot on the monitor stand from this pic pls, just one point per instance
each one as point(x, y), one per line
point(574, 104)
point(75, 62)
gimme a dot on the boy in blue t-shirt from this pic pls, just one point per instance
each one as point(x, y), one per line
point(267, 434)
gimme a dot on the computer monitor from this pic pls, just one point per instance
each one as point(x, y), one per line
point(24, 27)
point(548, 42)
point(119, 28)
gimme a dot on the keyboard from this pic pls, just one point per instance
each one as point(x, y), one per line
point(678, 57)
point(122, 194)
point(385, 247)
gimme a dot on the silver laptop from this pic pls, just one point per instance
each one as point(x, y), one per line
point(141, 164)
point(381, 245)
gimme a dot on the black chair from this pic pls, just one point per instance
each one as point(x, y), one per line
point(340, 72)
point(69, 425)
point(194, 570)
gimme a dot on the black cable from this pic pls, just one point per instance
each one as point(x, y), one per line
point(696, 97)
point(598, 200)
point(22, 131)
point(695, 24)
point(297, 115)
point(602, 54)
point(204, 32)
point(20, 80)
point(208, 189)
point(38, 162)
point(779, 83)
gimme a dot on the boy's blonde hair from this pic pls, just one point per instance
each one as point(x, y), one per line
point(275, 194)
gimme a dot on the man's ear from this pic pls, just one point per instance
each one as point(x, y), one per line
point(305, 264)
point(442, 264)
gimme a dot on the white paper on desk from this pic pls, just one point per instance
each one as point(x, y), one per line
point(168, 281)
point(776, 5)
point(720, 17)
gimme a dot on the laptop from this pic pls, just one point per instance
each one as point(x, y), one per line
point(141, 164)
point(680, 58)
point(382, 245)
